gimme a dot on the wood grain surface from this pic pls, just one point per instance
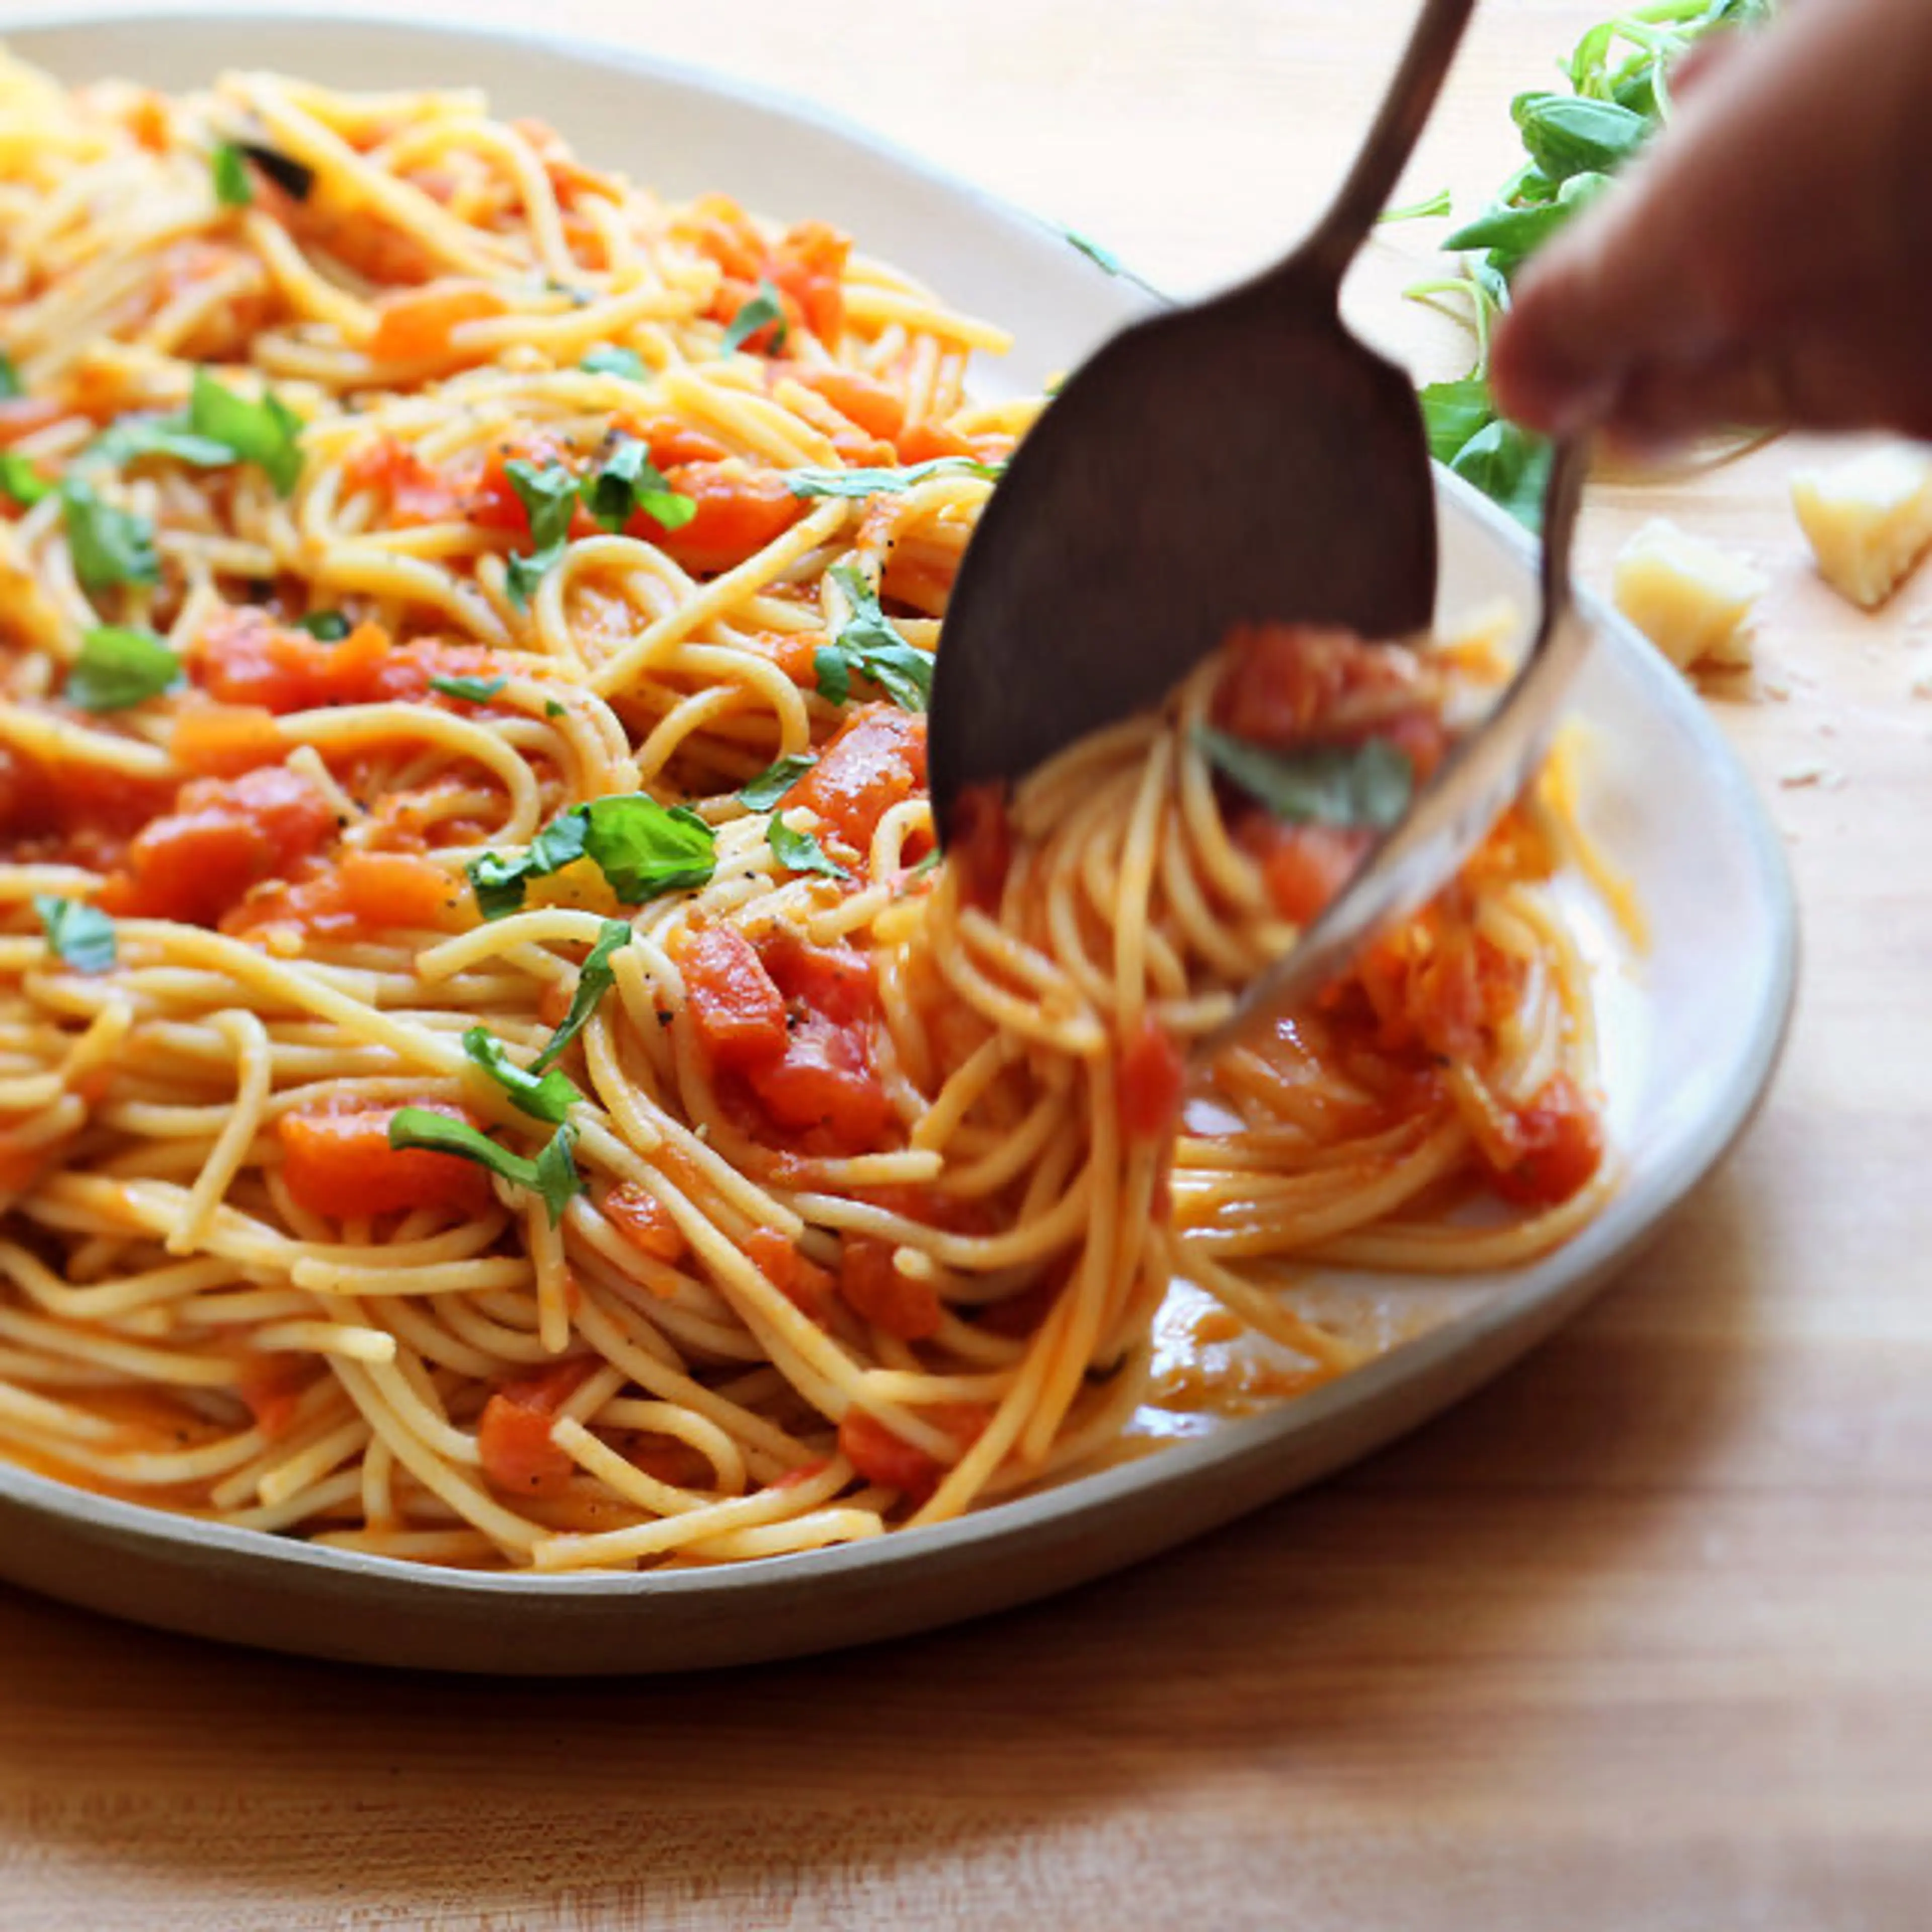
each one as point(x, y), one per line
point(1637, 1638)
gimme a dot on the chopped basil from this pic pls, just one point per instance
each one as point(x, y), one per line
point(630, 481)
point(777, 778)
point(543, 1094)
point(229, 167)
point(800, 852)
point(264, 431)
point(867, 645)
point(643, 849)
point(608, 359)
point(593, 982)
point(117, 668)
point(108, 546)
point(885, 482)
point(1368, 785)
point(552, 1175)
point(217, 428)
point(525, 572)
point(134, 439)
point(549, 498)
point(328, 627)
point(83, 934)
point(930, 863)
point(553, 710)
point(476, 690)
point(762, 311)
point(21, 480)
point(10, 385)
point(1101, 258)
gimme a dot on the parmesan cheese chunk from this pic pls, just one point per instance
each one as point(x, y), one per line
point(1869, 521)
point(1692, 600)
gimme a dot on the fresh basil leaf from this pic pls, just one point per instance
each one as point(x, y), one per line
point(644, 849)
point(608, 359)
point(108, 546)
point(1367, 784)
point(553, 710)
point(327, 627)
point(558, 1180)
point(543, 1094)
point(549, 498)
point(777, 778)
point(867, 645)
point(1510, 233)
point(630, 481)
point(10, 385)
point(1101, 258)
point(476, 690)
point(800, 852)
point(930, 863)
point(855, 483)
point(833, 671)
point(264, 431)
point(1509, 466)
point(1567, 134)
point(83, 934)
point(762, 311)
point(524, 573)
point(117, 668)
point(594, 980)
point(229, 167)
point(552, 1176)
point(1452, 412)
point(135, 439)
point(21, 480)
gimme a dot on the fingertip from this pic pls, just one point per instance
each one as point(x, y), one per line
point(1538, 377)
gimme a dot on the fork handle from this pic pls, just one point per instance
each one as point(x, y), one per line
point(1398, 124)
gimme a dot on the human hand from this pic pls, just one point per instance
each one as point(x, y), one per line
point(1768, 262)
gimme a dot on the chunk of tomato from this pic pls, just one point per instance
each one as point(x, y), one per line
point(337, 1161)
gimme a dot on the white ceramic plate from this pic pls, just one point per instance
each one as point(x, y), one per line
point(1692, 1030)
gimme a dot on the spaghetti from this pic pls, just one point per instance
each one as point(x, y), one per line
point(491, 1070)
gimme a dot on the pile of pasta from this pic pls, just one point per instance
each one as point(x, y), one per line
point(493, 1069)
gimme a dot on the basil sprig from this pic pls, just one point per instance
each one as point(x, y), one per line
point(1574, 144)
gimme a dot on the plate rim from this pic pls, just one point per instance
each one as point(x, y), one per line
point(1174, 1463)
